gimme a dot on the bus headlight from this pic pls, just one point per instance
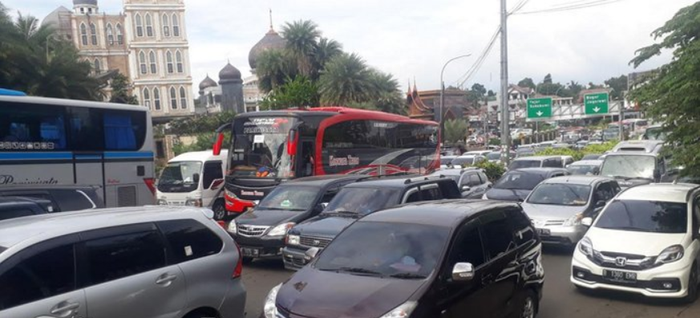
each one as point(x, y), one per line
point(162, 202)
point(230, 194)
point(194, 202)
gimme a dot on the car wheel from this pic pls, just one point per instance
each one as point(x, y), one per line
point(219, 209)
point(692, 285)
point(529, 309)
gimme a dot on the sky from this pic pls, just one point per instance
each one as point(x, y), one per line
point(413, 39)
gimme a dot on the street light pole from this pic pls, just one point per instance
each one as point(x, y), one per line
point(442, 94)
point(505, 117)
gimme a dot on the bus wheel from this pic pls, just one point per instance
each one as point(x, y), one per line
point(219, 209)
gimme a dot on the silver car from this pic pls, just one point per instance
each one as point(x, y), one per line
point(123, 262)
point(557, 206)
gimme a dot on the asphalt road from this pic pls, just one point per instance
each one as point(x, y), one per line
point(560, 298)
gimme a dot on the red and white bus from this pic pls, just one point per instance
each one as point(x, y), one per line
point(274, 146)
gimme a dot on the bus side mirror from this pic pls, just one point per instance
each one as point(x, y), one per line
point(195, 178)
point(292, 141)
point(657, 175)
point(218, 144)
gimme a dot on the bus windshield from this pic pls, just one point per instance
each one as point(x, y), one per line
point(629, 167)
point(179, 176)
point(259, 148)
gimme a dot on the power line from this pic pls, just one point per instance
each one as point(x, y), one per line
point(581, 5)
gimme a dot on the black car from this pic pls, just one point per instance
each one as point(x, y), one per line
point(15, 207)
point(472, 182)
point(261, 232)
point(453, 259)
point(516, 185)
point(62, 198)
point(357, 200)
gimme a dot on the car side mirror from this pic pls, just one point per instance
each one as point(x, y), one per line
point(311, 253)
point(463, 272)
point(587, 221)
point(466, 188)
point(195, 178)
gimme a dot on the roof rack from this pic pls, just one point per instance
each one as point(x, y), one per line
point(423, 178)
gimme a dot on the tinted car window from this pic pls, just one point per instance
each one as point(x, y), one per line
point(413, 197)
point(483, 177)
point(496, 233)
point(522, 228)
point(645, 216)
point(363, 200)
point(467, 247)
point(519, 164)
point(553, 163)
point(386, 248)
point(431, 192)
point(474, 180)
point(11, 213)
point(35, 277)
point(604, 192)
point(519, 180)
point(72, 200)
point(120, 256)
point(212, 171)
point(189, 239)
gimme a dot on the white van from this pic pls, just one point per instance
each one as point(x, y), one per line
point(194, 179)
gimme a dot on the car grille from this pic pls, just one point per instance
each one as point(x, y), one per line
point(547, 222)
point(252, 230)
point(629, 261)
point(314, 242)
point(295, 260)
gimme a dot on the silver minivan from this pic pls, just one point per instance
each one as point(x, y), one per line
point(123, 262)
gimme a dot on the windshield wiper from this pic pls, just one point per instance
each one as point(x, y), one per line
point(627, 228)
point(621, 177)
point(359, 270)
point(408, 276)
point(342, 212)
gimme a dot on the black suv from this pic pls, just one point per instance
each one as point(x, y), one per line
point(357, 200)
point(62, 198)
point(261, 232)
point(450, 259)
point(15, 207)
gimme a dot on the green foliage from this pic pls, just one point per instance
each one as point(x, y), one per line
point(455, 130)
point(493, 170)
point(120, 91)
point(34, 61)
point(599, 149)
point(495, 141)
point(527, 82)
point(618, 85)
point(346, 79)
point(274, 67)
point(201, 124)
point(298, 92)
point(561, 152)
point(204, 142)
point(671, 97)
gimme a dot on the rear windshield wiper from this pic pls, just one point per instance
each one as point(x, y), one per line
point(407, 276)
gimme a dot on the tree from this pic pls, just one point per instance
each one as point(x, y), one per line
point(325, 51)
point(618, 85)
point(300, 92)
point(479, 89)
point(302, 42)
point(455, 130)
point(387, 96)
point(200, 124)
point(547, 79)
point(346, 79)
point(491, 93)
point(274, 67)
point(671, 96)
point(527, 82)
point(575, 88)
point(120, 91)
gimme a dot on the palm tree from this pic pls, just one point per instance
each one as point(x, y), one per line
point(302, 40)
point(274, 68)
point(325, 51)
point(387, 96)
point(345, 79)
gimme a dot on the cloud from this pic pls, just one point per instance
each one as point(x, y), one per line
point(413, 39)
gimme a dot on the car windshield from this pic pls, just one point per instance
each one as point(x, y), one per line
point(386, 249)
point(590, 157)
point(629, 167)
point(259, 147)
point(583, 170)
point(519, 180)
point(362, 200)
point(560, 194)
point(463, 161)
point(519, 164)
point(655, 133)
point(290, 198)
point(645, 216)
point(445, 160)
point(179, 176)
point(493, 156)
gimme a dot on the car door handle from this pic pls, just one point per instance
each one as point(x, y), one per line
point(165, 279)
point(64, 309)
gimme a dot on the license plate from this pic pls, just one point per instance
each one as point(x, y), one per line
point(544, 232)
point(250, 252)
point(620, 276)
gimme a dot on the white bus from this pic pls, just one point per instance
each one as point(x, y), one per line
point(45, 141)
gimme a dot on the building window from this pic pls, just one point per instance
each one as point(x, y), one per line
point(153, 62)
point(169, 60)
point(83, 34)
point(166, 26)
point(93, 34)
point(98, 66)
point(146, 97)
point(139, 25)
point(120, 35)
point(142, 63)
point(176, 25)
point(156, 98)
point(149, 25)
point(178, 59)
point(110, 35)
point(173, 98)
point(183, 98)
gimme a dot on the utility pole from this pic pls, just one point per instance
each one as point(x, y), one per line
point(505, 117)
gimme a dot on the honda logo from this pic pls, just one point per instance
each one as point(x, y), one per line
point(620, 261)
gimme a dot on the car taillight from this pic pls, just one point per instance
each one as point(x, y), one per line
point(239, 266)
point(151, 184)
point(222, 224)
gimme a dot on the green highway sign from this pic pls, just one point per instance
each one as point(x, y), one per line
point(596, 104)
point(539, 108)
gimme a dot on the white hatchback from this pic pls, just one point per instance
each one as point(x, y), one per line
point(645, 241)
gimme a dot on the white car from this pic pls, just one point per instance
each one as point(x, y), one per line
point(645, 241)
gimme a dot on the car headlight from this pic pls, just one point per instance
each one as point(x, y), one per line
point(402, 311)
point(162, 202)
point(230, 194)
point(232, 227)
point(670, 254)
point(586, 246)
point(194, 202)
point(280, 230)
point(574, 220)
point(270, 308)
point(293, 239)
